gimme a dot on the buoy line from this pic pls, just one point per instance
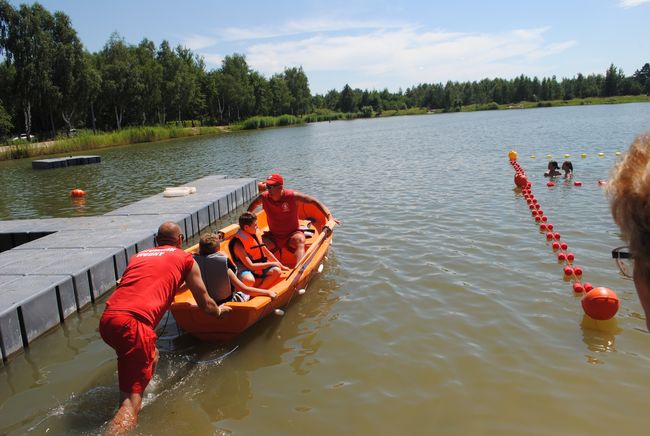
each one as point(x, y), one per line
point(567, 155)
point(598, 302)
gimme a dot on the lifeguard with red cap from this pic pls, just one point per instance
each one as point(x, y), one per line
point(281, 207)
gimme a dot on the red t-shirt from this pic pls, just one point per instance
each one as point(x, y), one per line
point(150, 281)
point(282, 215)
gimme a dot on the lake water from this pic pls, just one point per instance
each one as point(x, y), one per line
point(441, 309)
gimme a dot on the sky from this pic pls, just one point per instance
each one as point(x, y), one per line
point(383, 44)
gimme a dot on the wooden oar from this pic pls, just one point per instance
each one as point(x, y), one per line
point(323, 236)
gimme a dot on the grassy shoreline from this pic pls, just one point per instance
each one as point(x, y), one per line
point(133, 135)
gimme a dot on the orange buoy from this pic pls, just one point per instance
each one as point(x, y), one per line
point(600, 303)
point(512, 155)
point(77, 193)
point(261, 186)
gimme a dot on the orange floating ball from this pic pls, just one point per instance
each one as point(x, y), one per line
point(512, 155)
point(77, 193)
point(600, 303)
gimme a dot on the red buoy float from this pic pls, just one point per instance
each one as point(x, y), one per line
point(521, 180)
point(600, 303)
point(77, 193)
point(578, 288)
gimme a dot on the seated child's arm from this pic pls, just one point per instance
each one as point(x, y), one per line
point(254, 292)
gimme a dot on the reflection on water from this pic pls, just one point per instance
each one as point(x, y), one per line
point(599, 336)
point(441, 310)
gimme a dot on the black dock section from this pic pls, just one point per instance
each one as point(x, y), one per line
point(51, 268)
point(62, 162)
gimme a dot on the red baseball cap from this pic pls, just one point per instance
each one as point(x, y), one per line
point(274, 179)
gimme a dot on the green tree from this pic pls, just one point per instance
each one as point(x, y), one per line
point(28, 43)
point(236, 87)
point(68, 70)
point(149, 100)
point(262, 93)
point(299, 88)
point(280, 95)
point(642, 75)
point(613, 78)
point(346, 100)
point(120, 79)
point(5, 121)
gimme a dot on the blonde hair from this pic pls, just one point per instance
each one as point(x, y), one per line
point(629, 192)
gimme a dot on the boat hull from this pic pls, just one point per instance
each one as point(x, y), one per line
point(245, 314)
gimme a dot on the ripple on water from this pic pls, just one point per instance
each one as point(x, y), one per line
point(441, 302)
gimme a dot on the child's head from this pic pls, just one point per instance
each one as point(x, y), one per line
point(552, 165)
point(567, 166)
point(247, 221)
point(209, 243)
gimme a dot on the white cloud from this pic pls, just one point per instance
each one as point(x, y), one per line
point(212, 58)
point(626, 4)
point(406, 56)
point(306, 26)
point(198, 42)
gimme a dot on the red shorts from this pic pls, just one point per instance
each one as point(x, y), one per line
point(281, 241)
point(134, 343)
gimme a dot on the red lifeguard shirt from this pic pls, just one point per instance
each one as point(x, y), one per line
point(150, 281)
point(282, 215)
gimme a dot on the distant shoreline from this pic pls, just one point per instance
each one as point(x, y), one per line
point(134, 135)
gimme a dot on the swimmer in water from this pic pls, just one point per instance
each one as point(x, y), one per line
point(553, 169)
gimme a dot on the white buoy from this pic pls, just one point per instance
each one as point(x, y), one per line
point(320, 268)
point(302, 291)
point(279, 312)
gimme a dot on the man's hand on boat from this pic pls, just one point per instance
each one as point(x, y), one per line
point(223, 309)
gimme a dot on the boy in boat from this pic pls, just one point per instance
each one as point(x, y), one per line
point(251, 256)
point(138, 304)
point(281, 207)
point(220, 274)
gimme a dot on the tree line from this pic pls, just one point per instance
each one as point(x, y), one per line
point(50, 83)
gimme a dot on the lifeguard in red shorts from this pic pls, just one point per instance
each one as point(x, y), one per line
point(144, 294)
point(281, 207)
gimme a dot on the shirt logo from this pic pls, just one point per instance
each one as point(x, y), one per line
point(285, 207)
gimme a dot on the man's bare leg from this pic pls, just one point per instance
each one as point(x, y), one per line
point(126, 417)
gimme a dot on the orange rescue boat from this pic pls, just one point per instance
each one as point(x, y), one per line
point(318, 235)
